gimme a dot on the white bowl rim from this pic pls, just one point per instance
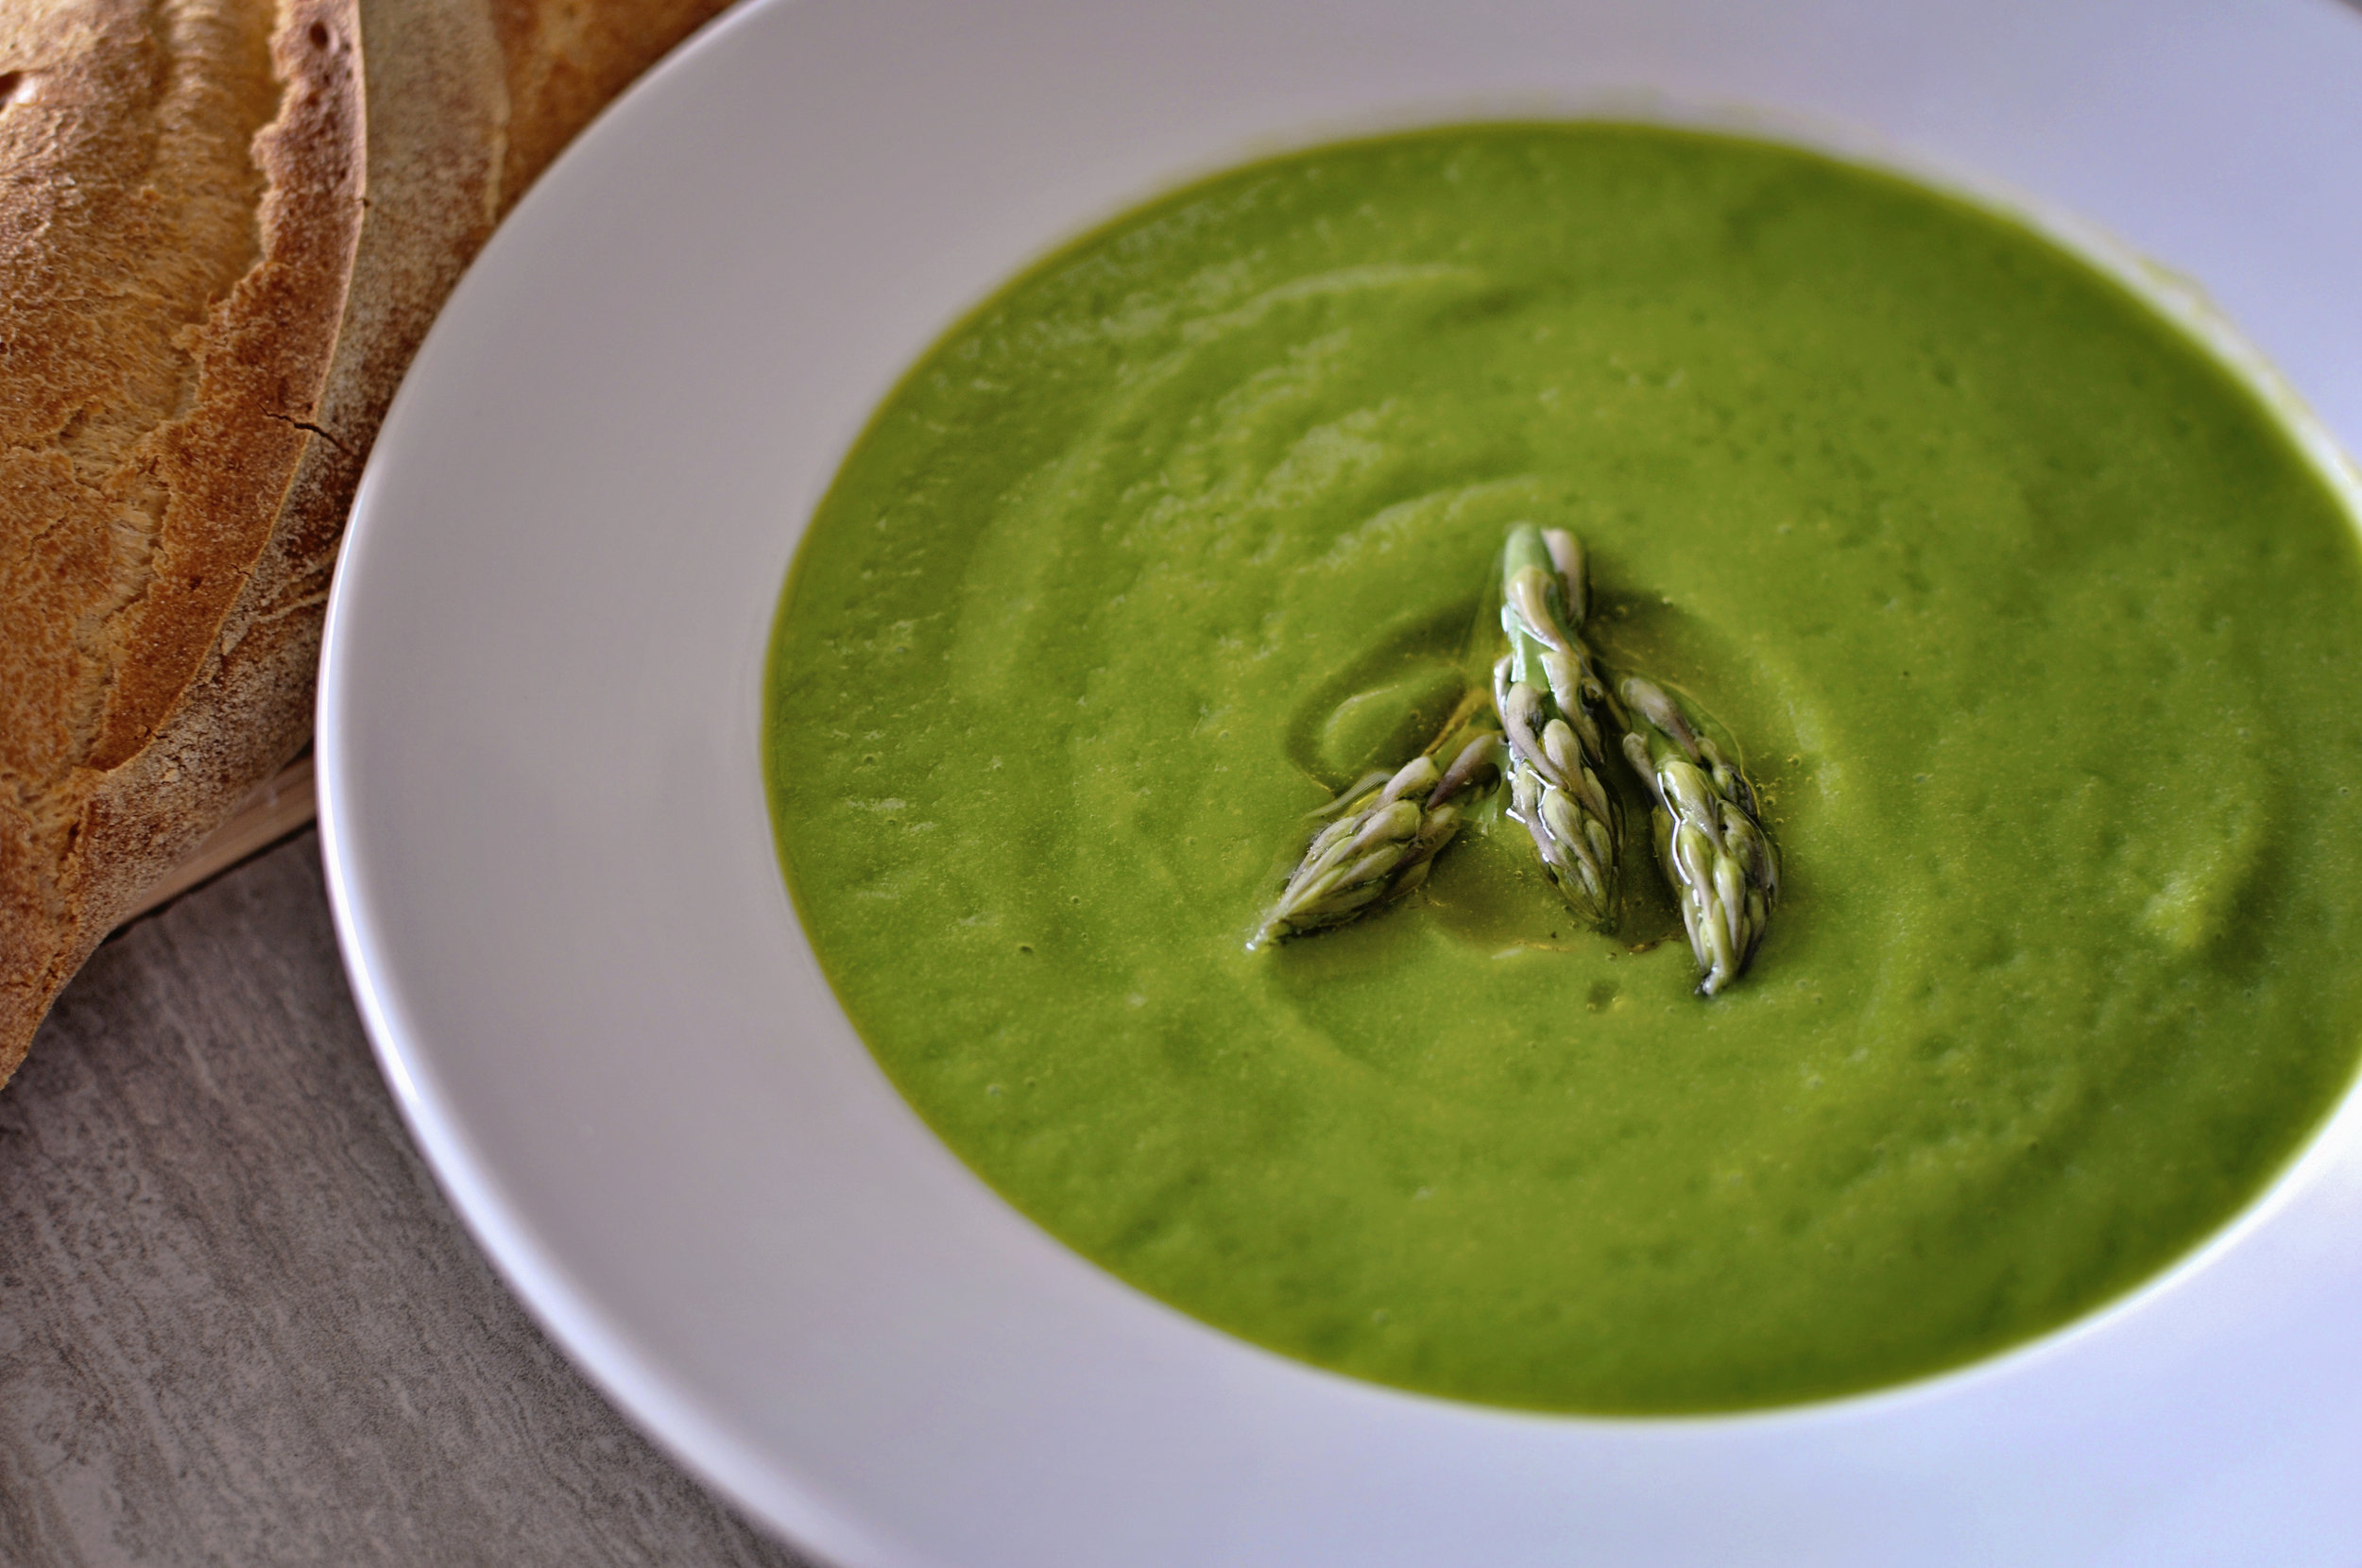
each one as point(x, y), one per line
point(546, 1273)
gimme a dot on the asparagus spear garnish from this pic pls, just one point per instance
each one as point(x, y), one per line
point(1387, 833)
point(1709, 831)
point(1551, 701)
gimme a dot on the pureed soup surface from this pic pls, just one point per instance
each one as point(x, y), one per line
point(2035, 627)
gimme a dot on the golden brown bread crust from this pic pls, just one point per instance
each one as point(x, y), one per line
point(225, 225)
point(566, 58)
point(181, 204)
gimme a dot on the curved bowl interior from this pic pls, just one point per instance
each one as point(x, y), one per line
point(553, 871)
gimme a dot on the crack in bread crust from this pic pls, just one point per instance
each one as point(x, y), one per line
point(179, 213)
point(150, 139)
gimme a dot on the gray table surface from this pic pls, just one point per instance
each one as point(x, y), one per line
point(238, 1323)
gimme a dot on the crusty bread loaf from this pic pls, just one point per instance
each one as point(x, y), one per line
point(224, 227)
point(180, 209)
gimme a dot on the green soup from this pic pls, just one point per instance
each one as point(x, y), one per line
point(2036, 628)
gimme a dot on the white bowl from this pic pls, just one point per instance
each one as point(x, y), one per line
point(553, 871)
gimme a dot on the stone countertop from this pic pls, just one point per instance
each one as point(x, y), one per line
point(238, 1323)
